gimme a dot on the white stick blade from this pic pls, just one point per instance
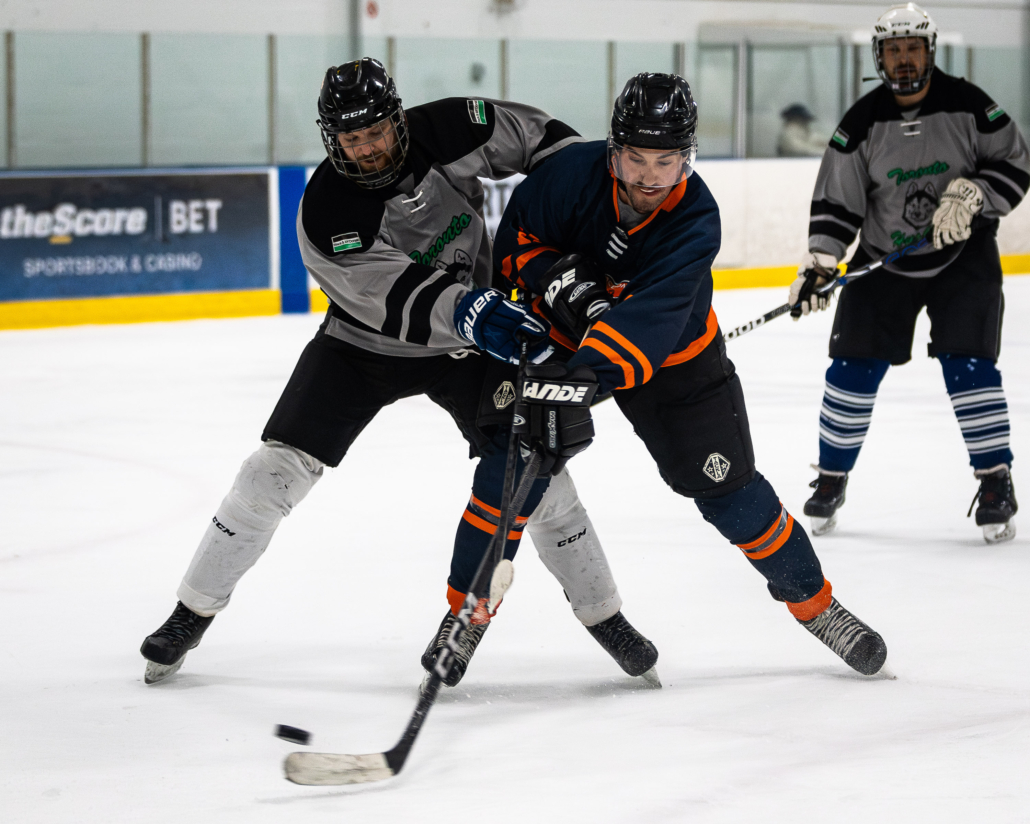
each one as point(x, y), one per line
point(504, 574)
point(331, 769)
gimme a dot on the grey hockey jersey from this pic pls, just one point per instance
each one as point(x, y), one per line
point(396, 261)
point(885, 170)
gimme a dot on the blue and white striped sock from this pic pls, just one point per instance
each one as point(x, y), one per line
point(978, 399)
point(851, 386)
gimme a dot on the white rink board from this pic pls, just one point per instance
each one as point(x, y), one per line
point(118, 442)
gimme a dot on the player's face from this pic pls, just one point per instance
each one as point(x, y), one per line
point(373, 148)
point(648, 174)
point(905, 58)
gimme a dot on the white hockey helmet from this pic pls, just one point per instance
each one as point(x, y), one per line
point(904, 21)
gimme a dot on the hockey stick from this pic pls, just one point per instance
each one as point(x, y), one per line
point(830, 287)
point(332, 769)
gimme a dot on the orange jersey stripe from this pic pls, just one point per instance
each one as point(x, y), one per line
point(624, 342)
point(614, 357)
point(488, 527)
point(816, 605)
point(526, 257)
point(697, 346)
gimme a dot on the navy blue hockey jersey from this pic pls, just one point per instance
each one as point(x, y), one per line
point(660, 271)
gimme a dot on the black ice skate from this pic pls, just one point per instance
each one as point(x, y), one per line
point(631, 650)
point(997, 504)
point(166, 649)
point(826, 500)
point(861, 648)
point(467, 644)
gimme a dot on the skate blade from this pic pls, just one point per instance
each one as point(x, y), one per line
point(651, 677)
point(822, 526)
point(159, 672)
point(999, 533)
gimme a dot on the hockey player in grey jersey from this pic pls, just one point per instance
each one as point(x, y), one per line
point(924, 156)
point(391, 227)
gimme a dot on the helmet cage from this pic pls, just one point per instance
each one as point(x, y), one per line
point(913, 85)
point(376, 159)
point(634, 168)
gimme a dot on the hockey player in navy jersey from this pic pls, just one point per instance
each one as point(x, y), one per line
point(391, 227)
point(925, 155)
point(616, 241)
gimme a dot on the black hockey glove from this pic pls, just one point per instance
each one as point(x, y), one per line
point(553, 415)
point(574, 289)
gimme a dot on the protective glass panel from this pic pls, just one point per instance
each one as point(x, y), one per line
point(633, 58)
point(209, 99)
point(301, 63)
point(430, 70)
point(794, 98)
point(994, 71)
point(77, 100)
point(715, 93)
point(569, 80)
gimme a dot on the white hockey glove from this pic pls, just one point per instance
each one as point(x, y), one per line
point(816, 269)
point(961, 201)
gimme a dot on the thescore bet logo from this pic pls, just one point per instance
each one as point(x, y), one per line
point(68, 221)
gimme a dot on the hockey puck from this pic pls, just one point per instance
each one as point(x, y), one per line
point(294, 734)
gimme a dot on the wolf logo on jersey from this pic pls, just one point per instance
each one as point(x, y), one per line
point(920, 204)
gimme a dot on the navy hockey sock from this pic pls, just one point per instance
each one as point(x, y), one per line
point(482, 514)
point(777, 546)
point(978, 398)
point(851, 385)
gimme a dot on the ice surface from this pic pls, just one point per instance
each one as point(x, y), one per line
point(117, 444)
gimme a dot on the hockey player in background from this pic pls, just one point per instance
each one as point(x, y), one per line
point(391, 227)
point(627, 225)
point(923, 155)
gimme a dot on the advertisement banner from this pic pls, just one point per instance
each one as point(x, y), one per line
point(93, 235)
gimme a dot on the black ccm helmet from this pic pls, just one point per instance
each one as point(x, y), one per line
point(654, 111)
point(360, 99)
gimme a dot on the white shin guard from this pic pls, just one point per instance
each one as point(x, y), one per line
point(270, 484)
point(566, 541)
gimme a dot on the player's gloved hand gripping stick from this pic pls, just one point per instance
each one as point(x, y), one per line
point(492, 578)
point(830, 287)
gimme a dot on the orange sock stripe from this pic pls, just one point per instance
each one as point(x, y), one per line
point(758, 555)
point(455, 599)
point(614, 357)
point(494, 511)
point(765, 536)
point(626, 344)
point(489, 528)
point(816, 605)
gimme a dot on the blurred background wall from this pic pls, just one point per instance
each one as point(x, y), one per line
point(120, 83)
point(123, 84)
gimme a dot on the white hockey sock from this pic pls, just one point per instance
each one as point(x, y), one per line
point(270, 483)
point(565, 539)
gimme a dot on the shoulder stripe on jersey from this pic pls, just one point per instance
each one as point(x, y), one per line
point(409, 280)
point(420, 317)
point(614, 357)
point(645, 365)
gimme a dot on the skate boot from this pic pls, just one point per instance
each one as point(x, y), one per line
point(467, 644)
point(861, 648)
point(826, 500)
point(166, 649)
point(997, 504)
point(631, 650)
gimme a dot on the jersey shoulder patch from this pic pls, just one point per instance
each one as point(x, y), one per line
point(447, 130)
point(337, 215)
point(854, 127)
